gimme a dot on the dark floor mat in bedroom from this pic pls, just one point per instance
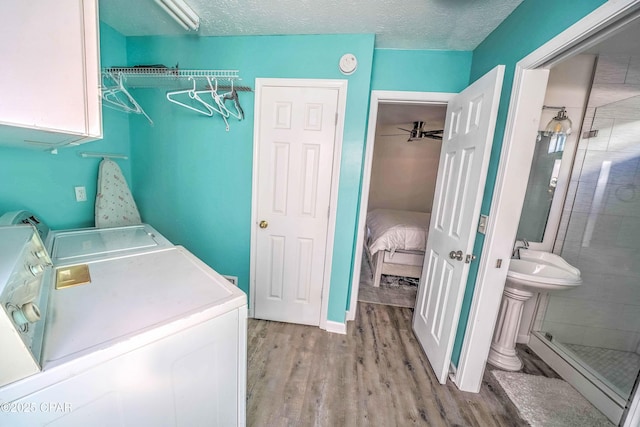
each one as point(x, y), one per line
point(393, 290)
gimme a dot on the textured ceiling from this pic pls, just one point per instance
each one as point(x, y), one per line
point(400, 24)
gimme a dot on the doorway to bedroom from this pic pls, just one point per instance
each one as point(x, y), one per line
point(403, 171)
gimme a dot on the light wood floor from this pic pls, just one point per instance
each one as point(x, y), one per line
point(376, 375)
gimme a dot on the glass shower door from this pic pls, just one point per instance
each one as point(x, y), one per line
point(598, 324)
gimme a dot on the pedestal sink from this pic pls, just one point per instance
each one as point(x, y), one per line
point(534, 271)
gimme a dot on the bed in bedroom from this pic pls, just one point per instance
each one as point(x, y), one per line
point(395, 242)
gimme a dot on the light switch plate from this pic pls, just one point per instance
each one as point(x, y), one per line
point(482, 224)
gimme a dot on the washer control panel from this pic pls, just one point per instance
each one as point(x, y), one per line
point(24, 267)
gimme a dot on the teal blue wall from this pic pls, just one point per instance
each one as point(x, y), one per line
point(192, 180)
point(531, 25)
point(43, 183)
point(421, 70)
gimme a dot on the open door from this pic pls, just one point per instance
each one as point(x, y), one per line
point(462, 172)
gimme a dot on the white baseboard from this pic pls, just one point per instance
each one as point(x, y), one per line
point(523, 339)
point(336, 327)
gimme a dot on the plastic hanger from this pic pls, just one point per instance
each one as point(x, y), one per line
point(233, 96)
point(112, 98)
point(114, 101)
point(192, 95)
point(219, 106)
point(213, 91)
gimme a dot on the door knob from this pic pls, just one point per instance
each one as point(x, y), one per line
point(263, 224)
point(456, 255)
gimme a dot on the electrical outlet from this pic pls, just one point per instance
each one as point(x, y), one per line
point(81, 194)
point(232, 279)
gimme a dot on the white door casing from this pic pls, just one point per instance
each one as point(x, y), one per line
point(380, 97)
point(462, 171)
point(295, 155)
point(507, 213)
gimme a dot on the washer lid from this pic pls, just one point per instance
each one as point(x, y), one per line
point(134, 297)
point(92, 243)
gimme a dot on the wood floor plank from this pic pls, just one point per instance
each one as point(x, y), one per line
point(331, 388)
point(375, 375)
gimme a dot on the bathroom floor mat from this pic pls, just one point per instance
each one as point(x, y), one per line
point(545, 402)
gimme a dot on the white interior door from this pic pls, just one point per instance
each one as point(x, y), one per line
point(296, 137)
point(462, 173)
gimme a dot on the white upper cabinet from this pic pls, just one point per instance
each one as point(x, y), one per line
point(50, 73)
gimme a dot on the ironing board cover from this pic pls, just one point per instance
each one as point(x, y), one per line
point(114, 204)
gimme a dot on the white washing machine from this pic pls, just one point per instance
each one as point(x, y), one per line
point(136, 332)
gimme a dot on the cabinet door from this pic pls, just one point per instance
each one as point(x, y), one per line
point(49, 77)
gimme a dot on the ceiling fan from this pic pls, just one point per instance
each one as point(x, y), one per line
point(418, 133)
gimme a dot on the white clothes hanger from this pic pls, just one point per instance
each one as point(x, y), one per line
point(128, 104)
point(213, 91)
point(112, 100)
point(193, 94)
point(219, 106)
point(110, 95)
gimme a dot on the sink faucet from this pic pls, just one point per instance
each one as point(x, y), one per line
point(516, 249)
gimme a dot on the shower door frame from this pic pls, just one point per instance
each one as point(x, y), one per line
point(591, 386)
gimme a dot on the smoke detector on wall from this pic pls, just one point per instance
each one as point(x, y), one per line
point(348, 64)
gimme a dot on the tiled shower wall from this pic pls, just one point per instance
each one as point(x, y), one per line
point(600, 227)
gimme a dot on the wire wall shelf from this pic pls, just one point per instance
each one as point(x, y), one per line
point(174, 78)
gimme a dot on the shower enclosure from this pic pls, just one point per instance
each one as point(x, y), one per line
point(596, 327)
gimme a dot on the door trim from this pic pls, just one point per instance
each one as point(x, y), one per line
point(341, 86)
point(499, 239)
point(379, 97)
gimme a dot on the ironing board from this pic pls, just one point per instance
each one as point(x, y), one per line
point(115, 206)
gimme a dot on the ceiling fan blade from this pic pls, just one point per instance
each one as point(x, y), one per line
point(433, 134)
point(406, 130)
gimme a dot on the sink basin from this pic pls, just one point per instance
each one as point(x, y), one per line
point(534, 271)
point(542, 271)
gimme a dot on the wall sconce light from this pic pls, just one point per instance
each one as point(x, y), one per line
point(181, 12)
point(557, 129)
point(560, 124)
